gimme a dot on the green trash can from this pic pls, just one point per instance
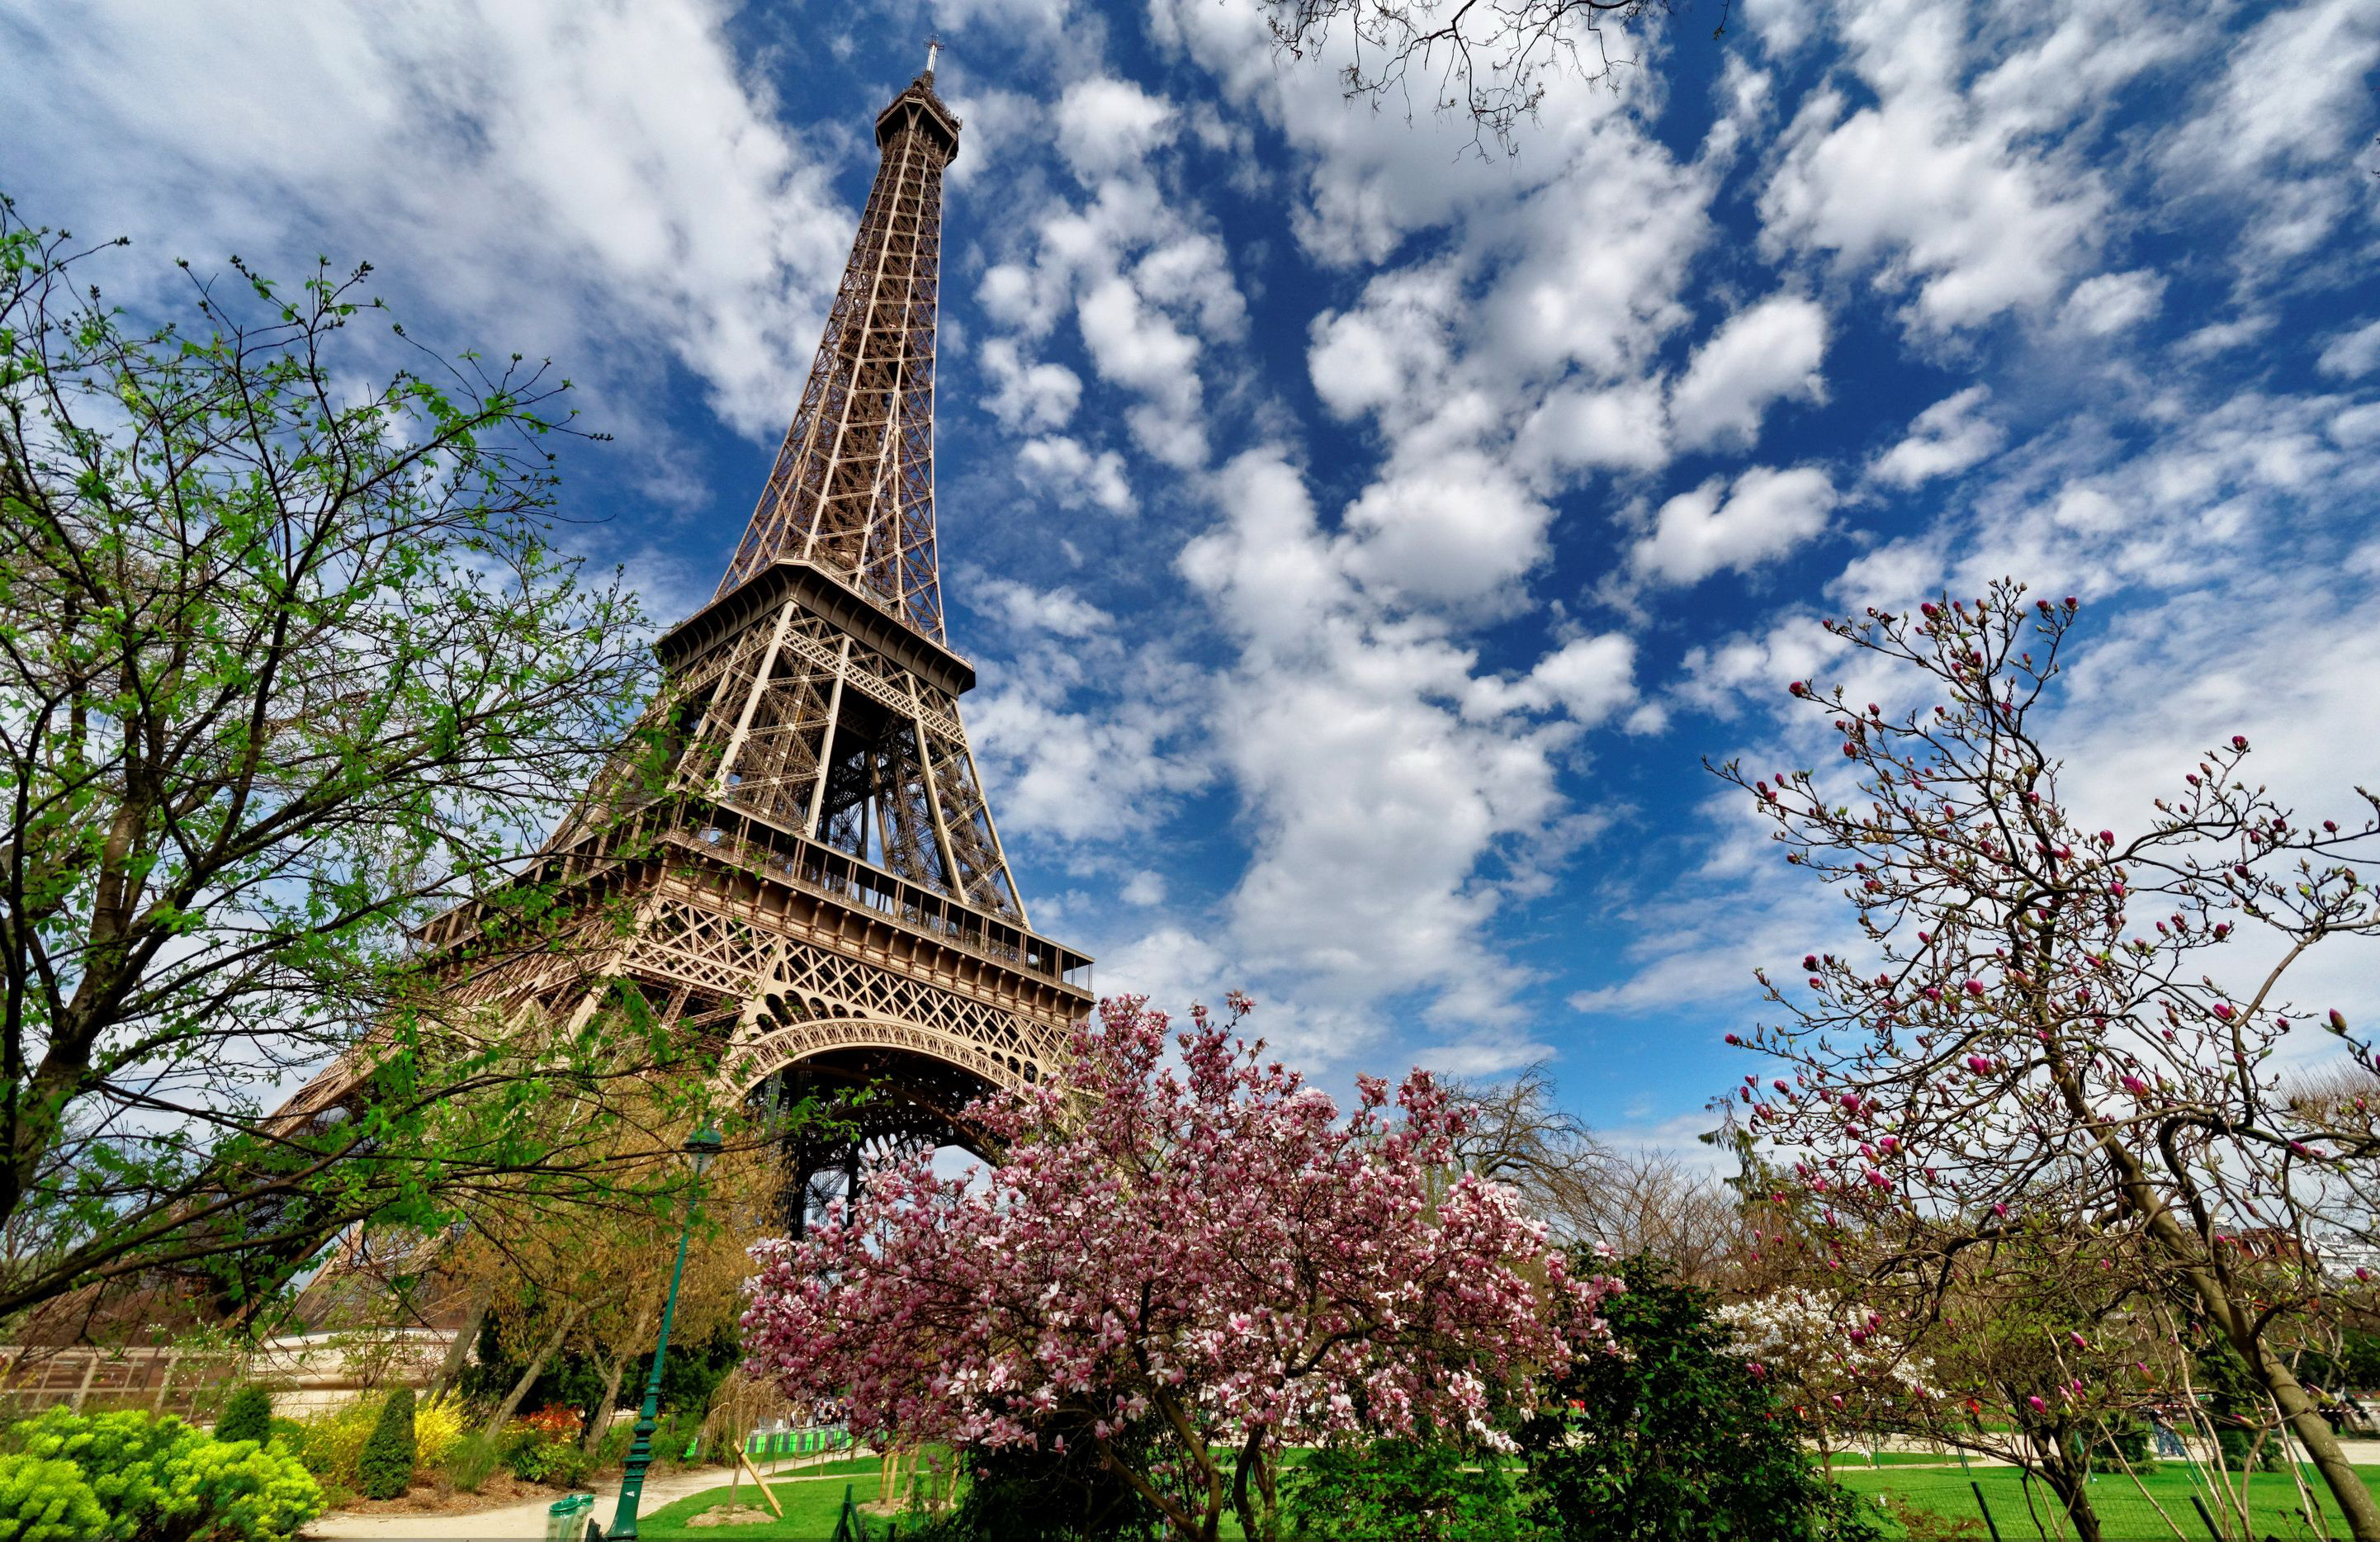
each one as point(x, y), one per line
point(566, 1518)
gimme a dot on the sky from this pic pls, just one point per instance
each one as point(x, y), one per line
point(1364, 541)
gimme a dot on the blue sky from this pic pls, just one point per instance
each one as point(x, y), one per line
point(1362, 542)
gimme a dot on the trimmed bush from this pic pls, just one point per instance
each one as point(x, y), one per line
point(44, 1499)
point(386, 1467)
point(249, 1415)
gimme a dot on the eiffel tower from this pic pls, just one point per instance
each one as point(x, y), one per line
point(798, 865)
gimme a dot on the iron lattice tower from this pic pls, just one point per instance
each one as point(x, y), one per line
point(795, 860)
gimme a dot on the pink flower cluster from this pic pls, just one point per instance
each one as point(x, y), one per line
point(1206, 1242)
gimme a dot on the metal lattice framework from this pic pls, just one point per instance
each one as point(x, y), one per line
point(792, 860)
point(853, 487)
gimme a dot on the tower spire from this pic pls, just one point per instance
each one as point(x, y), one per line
point(852, 491)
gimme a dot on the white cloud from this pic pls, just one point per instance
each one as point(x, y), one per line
point(1385, 350)
point(2280, 152)
point(1975, 195)
point(1766, 514)
point(599, 183)
point(1976, 229)
point(1624, 428)
point(1377, 771)
point(1588, 678)
point(1769, 353)
point(1057, 611)
point(2110, 303)
point(1030, 398)
point(1106, 125)
point(1081, 740)
point(1458, 531)
point(1073, 475)
point(1146, 287)
point(2351, 355)
point(1944, 440)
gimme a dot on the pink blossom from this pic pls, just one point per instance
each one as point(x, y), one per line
point(1210, 1246)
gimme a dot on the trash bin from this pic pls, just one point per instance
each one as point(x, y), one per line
point(566, 1518)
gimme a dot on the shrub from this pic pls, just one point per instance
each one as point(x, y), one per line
point(245, 1492)
point(554, 1422)
point(437, 1429)
point(471, 1461)
point(1674, 1436)
point(44, 1499)
point(159, 1480)
point(386, 1465)
point(555, 1461)
point(1043, 1493)
point(1399, 1489)
point(333, 1442)
point(249, 1415)
point(123, 1456)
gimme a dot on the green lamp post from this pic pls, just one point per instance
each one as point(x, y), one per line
point(703, 1147)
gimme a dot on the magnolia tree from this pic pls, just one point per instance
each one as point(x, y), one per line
point(1833, 1361)
point(1189, 1267)
point(2042, 1349)
point(2031, 1032)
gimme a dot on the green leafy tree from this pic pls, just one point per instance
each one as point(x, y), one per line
point(289, 663)
point(248, 1417)
point(1675, 1436)
point(386, 1469)
point(1420, 1490)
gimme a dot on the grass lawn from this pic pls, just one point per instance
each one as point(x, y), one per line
point(813, 1500)
point(2125, 1512)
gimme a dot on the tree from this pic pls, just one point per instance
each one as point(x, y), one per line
point(386, 1467)
point(1420, 1490)
point(248, 1417)
point(1489, 61)
point(1640, 1202)
point(1838, 1374)
point(289, 663)
point(1678, 1435)
point(2027, 1032)
point(2037, 1350)
point(1207, 1259)
point(1514, 1134)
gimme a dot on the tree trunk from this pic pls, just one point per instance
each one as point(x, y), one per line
point(2073, 1488)
point(2242, 1328)
point(2313, 1432)
point(599, 1418)
point(512, 1403)
point(459, 1354)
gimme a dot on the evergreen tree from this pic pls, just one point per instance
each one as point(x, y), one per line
point(388, 1463)
point(1674, 1437)
point(248, 1417)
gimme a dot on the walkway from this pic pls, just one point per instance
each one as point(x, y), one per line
point(514, 1522)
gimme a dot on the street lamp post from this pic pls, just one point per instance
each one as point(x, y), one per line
point(703, 1147)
